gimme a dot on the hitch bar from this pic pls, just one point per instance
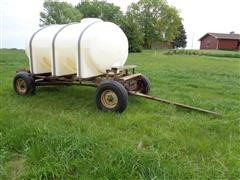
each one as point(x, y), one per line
point(173, 103)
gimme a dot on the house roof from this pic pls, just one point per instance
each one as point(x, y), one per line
point(223, 36)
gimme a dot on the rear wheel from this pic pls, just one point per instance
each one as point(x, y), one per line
point(111, 96)
point(144, 85)
point(23, 83)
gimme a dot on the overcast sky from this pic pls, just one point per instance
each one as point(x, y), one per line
point(19, 18)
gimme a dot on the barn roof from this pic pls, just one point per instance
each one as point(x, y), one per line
point(222, 36)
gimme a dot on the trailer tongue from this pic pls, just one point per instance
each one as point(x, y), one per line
point(173, 103)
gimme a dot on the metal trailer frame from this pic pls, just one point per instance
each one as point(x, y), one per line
point(124, 75)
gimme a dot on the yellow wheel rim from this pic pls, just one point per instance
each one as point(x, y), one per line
point(21, 86)
point(109, 99)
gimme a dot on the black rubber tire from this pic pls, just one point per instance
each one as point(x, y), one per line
point(29, 83)
point(144, 84)
point(119, 91)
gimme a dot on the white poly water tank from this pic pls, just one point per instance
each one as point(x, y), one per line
point(86, 49)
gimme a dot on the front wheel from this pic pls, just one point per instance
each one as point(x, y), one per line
point(23, 83)
point(144, 85)
point(111, 96)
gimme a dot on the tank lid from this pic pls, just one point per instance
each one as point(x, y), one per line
point(90, 20)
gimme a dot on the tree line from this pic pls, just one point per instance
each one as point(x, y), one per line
point(144, 23)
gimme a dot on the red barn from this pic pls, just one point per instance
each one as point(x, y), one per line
point(220, 41)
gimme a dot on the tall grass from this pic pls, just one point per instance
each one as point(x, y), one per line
point(212, 53)
point(59, 134)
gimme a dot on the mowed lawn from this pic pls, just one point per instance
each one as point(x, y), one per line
point(59, 134)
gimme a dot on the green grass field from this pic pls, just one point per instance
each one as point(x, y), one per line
point(59, 133)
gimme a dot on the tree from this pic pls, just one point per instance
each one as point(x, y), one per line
point(180, 41)
point(158, 20)
point(168, 24)
point(133, 33)
point(100, 9)
point(58, 13)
